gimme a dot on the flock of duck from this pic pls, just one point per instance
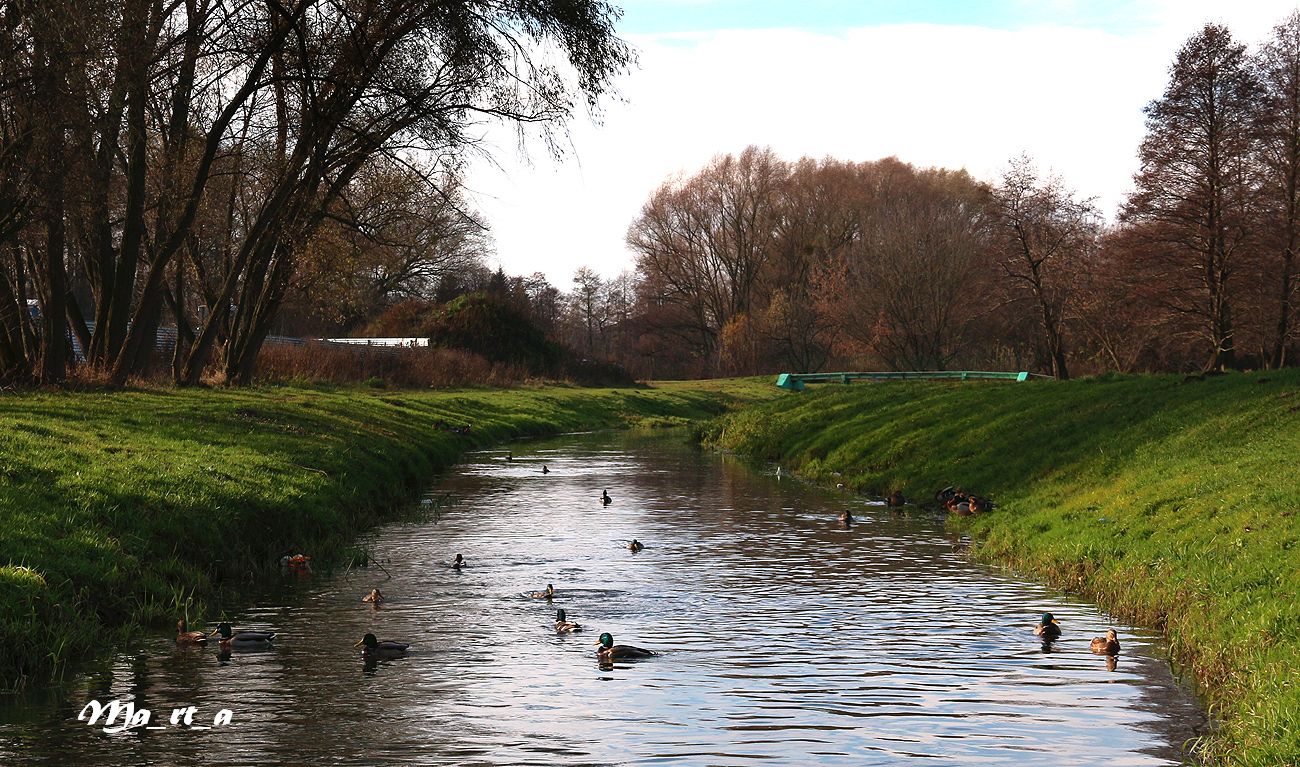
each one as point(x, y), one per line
point(1049, 630)
point(373, 648)
point(952, 499)
point(959, 502)
point(606, 650)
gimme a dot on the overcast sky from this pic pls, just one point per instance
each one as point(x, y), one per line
point(956, 83)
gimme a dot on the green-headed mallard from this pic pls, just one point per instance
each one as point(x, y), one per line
point(186, 637)
point(1107, 645)
point(564, 626)
point(548, 594)
point(607, 650)
point(371, 647)
point(242, 640)
point(635, 545)
point(1048, 628)
point(374, 597)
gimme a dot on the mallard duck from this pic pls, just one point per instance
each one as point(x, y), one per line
point(563, 626)
point(374, 597)
point(550, 592)
point(510, 456)
point(184, 636)
point(635, 545)
point(980, 505)
point(896, 499)
point(1107, 645)
point(607, 650)
point(373, 648)
point(1048, 628)
point(545, 470)
point(846, 518)
point(242, 639)
point(605, 500)
point(459, 562)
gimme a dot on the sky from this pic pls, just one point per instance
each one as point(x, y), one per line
point(950, 83)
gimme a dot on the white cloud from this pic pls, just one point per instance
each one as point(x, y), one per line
point(932, 95)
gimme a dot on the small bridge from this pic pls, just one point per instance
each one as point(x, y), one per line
point(796, 381)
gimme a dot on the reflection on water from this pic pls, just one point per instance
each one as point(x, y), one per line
point(783, 636)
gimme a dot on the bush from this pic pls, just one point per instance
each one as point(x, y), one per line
point(381, 366)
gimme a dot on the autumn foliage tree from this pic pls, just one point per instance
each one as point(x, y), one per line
point(1194, 196)
point(1041, 238)
point(1278, 126)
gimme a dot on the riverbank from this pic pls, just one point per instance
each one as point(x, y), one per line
point(126, 509)
point(1172, 502)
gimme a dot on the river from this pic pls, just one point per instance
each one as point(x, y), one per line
point(783, 638)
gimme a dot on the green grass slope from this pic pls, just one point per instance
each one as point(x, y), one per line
point(1172, 503)
point(121, 509)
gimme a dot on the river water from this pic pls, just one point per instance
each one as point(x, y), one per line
point(783, 638)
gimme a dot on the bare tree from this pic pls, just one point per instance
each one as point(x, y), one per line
point(1279, 150)
point(588, 303)
point(185, 153)
point(1044, 234)
point(702, 244)
point(908, 288)
point(1194, 186)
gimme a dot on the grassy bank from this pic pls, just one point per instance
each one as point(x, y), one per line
point(121, 509)
point(1172, 503)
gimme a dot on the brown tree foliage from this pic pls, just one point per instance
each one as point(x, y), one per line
point(1194, 195)
point(167, 156)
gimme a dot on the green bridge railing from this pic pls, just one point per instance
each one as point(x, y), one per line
point(796, 381)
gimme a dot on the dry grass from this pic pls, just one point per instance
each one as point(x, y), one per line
point(314, 363)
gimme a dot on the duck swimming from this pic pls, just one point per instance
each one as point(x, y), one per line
point(374, 597)
point(846, 519)
point(607, 650)
point(459, 563)
point(605, 500)
point(563, 626)
point(635, 545)
point(242, 640)
point(1107, 645)
point(1048, 628)
point(184, 636)
point(548, 594)
point(373, 648)
point(896, 499)
point(545, 470)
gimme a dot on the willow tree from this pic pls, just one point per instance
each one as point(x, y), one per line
point(135, 132)
point(1193, 196)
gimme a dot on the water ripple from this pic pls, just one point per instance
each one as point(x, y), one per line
point(784, 638)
